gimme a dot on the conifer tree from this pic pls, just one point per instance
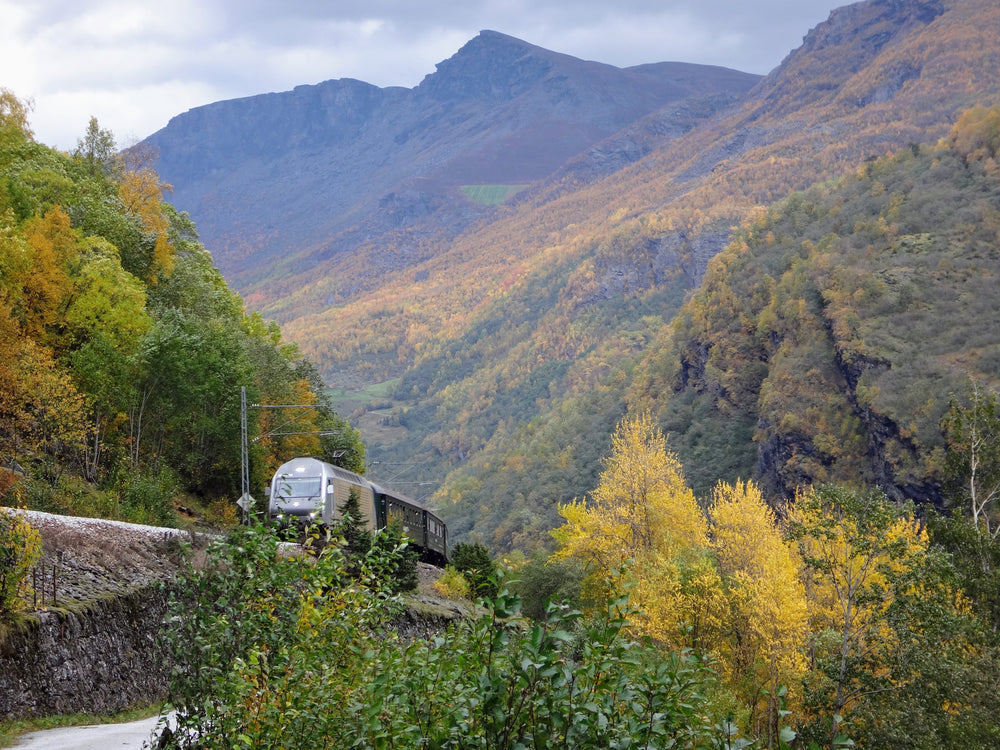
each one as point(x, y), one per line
point(473, 561)
point(352, 525)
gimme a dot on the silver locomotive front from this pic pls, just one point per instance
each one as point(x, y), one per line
point(298, 492)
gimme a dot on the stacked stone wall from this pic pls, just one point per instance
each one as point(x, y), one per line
point(99, 658)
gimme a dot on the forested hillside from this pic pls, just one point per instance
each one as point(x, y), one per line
point(123, 351)
point(496, 347)
point(524, 337)
point(836, 330)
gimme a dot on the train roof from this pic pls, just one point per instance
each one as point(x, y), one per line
point(309, 462)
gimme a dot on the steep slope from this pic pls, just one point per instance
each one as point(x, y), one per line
point(523, 334)
point(838, 327)
point(307, 179)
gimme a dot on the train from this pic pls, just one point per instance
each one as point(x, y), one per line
point(306, 490)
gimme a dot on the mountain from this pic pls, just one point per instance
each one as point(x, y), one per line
point(835, 332)
point(287, 186)
point(511, 339)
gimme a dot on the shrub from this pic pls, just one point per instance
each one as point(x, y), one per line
point(401, 560)
point(271, 661)
point(147, 496)
point(252, 617)
point(222, 513)
point(474, 562)
point(20, 548)
point(452, 584)
point(542, 579)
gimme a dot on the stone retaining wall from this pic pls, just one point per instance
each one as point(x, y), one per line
point(99, 658)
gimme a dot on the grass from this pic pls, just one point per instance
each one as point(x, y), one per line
point(12, 731)
point(490, 195)
point(369, 393)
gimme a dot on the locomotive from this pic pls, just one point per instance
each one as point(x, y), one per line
point(307, 490)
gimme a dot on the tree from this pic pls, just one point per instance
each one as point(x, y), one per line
point(97, 150)
point(891, 642)
point(14, 112)
point(56, 412)
point(976, 134)
point(14, 419)
point(141, 192)
point(401, 570)
point(643, 521)
point(352, 525)
point(104, 299)
point(640, 505)
point(860, 552)
point(973, 458)
point(768, 623)
point(473, 561)
point(47, 285)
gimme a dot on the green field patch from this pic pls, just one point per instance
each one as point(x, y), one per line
point(370, 393)
point(490, 195)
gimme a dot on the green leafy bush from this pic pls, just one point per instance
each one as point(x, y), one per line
point(295, 652)
point(253, 617)
point(147, 496)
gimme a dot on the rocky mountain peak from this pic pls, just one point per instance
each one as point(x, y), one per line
point(489, 66)
point(858, 38)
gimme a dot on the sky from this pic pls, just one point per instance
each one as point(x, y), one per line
point(134, 64)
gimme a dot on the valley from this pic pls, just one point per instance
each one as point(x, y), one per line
point(521, 331)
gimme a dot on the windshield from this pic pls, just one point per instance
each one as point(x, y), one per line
point(296, 488)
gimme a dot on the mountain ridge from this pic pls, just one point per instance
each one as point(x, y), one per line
point(345, 147)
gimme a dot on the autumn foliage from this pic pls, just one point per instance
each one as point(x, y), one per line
point(815, 619)
point(122, 350)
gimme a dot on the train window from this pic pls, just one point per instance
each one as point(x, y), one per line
point(298, 486)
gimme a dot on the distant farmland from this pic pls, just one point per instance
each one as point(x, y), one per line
point(490, 195)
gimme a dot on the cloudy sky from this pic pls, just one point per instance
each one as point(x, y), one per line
point(134, 64)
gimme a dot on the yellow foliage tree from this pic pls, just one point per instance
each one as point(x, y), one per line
point(14, 112)
point(768, 624)
point(52, 246)
point(141, 192)
point(644, 521)
point(13, 418)
point(54, 412)
point(862, 554)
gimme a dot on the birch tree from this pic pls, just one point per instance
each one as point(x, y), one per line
point(642, 528)
point(768, 623)
point(973, 461)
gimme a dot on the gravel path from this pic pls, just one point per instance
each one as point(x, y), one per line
point(132, 735)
